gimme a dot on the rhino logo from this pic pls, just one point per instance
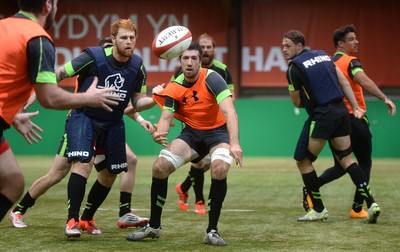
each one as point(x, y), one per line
point(114, 81)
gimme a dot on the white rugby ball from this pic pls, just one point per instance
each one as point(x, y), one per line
point(171, 42)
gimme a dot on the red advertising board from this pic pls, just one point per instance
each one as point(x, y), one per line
point(264, 23)
point(81, 23)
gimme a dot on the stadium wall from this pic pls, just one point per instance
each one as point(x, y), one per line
point(248, 33)
point(268, 127)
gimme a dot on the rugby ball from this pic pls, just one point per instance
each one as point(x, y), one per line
point(171, 42)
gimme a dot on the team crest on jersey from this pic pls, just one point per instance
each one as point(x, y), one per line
point(191, 99)
point(116, 81)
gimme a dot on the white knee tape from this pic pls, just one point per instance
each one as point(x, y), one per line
point(174, 159)
point(222, 154)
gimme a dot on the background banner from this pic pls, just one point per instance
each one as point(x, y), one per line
point(260, 25)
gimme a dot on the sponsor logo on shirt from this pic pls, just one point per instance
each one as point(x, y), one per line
point(316, 60)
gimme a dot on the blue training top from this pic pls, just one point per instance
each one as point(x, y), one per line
point(322, 86)
point(125, 80)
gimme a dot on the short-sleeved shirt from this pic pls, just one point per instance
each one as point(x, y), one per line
point(354, 67)
point(84, 66)
point(313, 74)
point(28, 58)
point(196, 104)
point(350, 66)
point(126, 77)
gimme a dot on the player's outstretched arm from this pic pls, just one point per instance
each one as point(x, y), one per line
point(369, 85)
point(53, 97)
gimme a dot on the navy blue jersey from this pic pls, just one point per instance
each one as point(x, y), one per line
point(127, 78)
point(314, 74)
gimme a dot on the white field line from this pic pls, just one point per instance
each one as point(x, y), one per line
point(174, 210)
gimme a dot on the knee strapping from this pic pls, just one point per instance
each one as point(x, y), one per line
point(100, 162)
point(222, 154)
point(175, 160)
point(99, 158)
point(311, 156)
point(343, 153)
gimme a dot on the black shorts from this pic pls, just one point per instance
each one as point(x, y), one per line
point(325, 122)
point(84, 133)
point(360, 129)
point(203, 140)
point(330, 121)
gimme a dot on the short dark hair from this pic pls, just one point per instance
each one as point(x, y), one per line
point(296, 37)
point(340, 34)
point(195, 46)
point(34, 6)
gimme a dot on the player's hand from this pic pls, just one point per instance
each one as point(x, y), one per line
point(237, 153)
point(157, 89)
point(27, 128)
point(359, 113)
point(391, 107)
point(160, 138)
point(103, 98)
point(148, 126)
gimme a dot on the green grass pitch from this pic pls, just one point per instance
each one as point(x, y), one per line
point(259, 212)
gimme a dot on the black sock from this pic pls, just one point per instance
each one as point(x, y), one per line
point(357, 201)
point(26, 202)
point(365, 163)
point(159, 189)
point(357, 206)
point(358, 178)
point(76, 192)
point(98, 193)
point(312, 184)
point(218, 191)
point(198, 183)
point(331, 174)
point(5, 205)
point(125, 199)
point(187, 183)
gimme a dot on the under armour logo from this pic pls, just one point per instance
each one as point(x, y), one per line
point(194, 97)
